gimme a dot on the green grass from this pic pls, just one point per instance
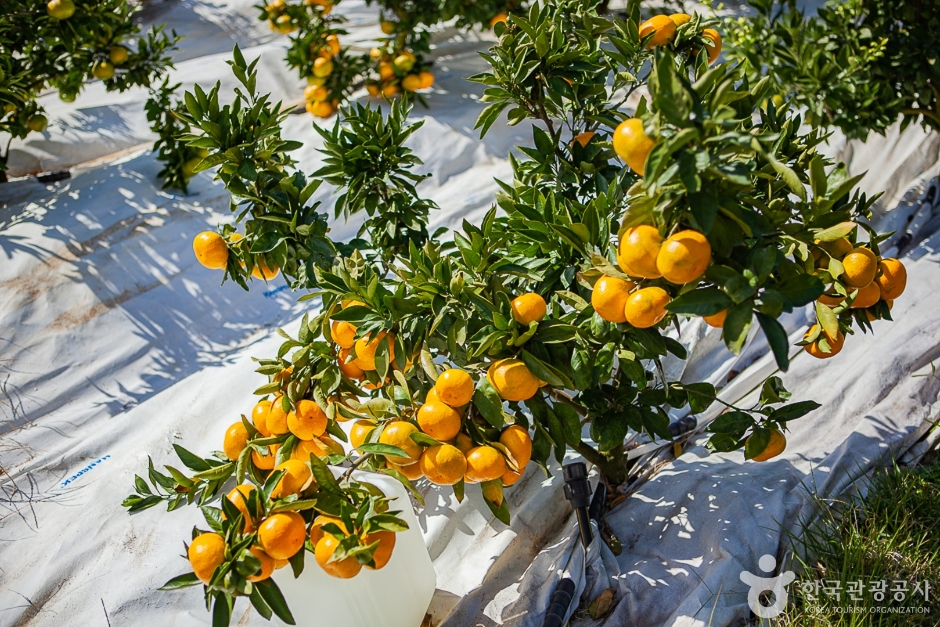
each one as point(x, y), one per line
point(891, 534)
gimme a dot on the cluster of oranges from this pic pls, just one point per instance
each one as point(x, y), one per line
point(317, 95)
point(630, 140)
point(681, 258)
point(663, 30)
point(212, 251)
point(278, 19)
point(396, 70)
point(441, 416)
point(866, 279)
point(455, 457)
point(282, 535)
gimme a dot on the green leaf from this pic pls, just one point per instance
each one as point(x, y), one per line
point(700, 302)
point(191, 460)
point(275, 599)
point(488, 403)
point(794, 411)
point(386, 450)
point(701, 396)
point(545, 372)
point(777, 338)
point(734, 423)
point(836, 232)
point(181, 581)
point(773, 391)
point(737, 326)
point(827, 320)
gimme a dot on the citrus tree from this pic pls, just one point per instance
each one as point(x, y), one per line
point(859, 65)
point(461, 356)
point(63, 44)
point(397, 66)
point(178, 158)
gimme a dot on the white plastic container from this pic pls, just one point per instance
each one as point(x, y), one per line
point(397, 595)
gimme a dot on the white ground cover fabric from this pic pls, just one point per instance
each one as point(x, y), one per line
point(115, 344)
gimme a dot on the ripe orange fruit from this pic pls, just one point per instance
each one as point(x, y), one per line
point(412, 82)
point(632, 144)
point(774, 447)
point(333, 42)
point(263, 271)
point(307, 420)
point(663, 27)
point(305, 448)
point(867, 296)
point(529, 307)
point(498, 18)
point(316, 93)
point(282, 535)
point(265, 462)
point(237, 497)
point(366, 348)
point(411, 471)
point(439, 420)
point(387, 27)
point(349, 368)
point(464, 443)
point(646, 307)
point(513, 380)
point(398, 434)
point(389, 90)
point(322, 67)
point(716, 320)
point(454, 387)
point(277, 418)
point(316, 527)
point(296, 475)
point(610, 297)
point(343, 569)
point(320, 109)
point(519, 443)
point(484, 463)
point(835, 344)
point(259, 416)
point(860, 265)
point(443, 464)
point(684, 257)
point(344, 333)
point(680, 18)
point(714, 50)
point(360, 431)
point(638, 251)
point(373, 89)
point(235, 440)
point(892, 278)
point(838, 248)
point(211, 250)
point(206, 553)
point(583, 138)
point(267, 565)
point(427, 80)
point(383, 552)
